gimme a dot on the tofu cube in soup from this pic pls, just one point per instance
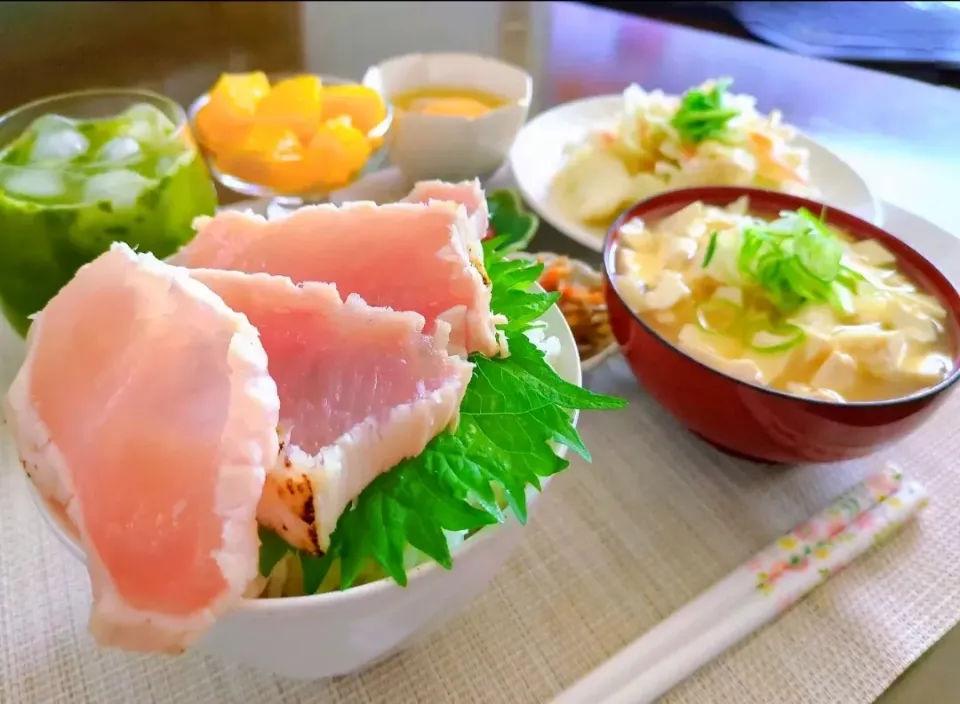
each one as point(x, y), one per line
point(667, 293)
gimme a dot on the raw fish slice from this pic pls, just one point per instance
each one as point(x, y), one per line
point(144, 413)
point(361, 388)
point(466, 193)
point(405, 256)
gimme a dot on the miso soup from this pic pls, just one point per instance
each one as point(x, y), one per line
point(791, 304)
point(448, 100)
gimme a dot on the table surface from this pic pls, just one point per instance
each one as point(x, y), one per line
point(901, 133)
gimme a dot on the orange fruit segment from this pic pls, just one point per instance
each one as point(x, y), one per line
point(364, 106)
point(273, 142)
point(227, 116)
point(243, 91)
point(295, 103)
point(290, 176)
point(266, 152)
point(336, 153)
point(296, 137)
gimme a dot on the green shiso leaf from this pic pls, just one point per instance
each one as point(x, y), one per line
point(514, 409)
point(510, 220)
point(273, 548)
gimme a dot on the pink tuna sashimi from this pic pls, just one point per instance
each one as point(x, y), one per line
point(361, 388)
point(145, 412)
point(424, 258)
point(466, 193)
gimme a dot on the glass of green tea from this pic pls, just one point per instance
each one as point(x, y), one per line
point(83, 170)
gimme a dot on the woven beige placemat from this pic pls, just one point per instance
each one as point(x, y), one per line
point(616, 546)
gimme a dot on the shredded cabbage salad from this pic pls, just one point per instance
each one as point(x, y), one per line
point(706, 137)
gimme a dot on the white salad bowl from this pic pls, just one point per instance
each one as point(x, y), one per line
point(337, 633)
point(451, 147)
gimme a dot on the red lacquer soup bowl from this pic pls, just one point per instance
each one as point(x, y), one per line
point(756, 422)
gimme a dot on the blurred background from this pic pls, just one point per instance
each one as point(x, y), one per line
point(179, 47)
point(52, 47)
point(918, 40)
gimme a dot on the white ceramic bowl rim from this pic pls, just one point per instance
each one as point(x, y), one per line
point(514, 100)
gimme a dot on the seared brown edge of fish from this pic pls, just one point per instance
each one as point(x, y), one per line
point(293, 488)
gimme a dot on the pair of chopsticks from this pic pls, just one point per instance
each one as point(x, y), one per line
point(754, 594)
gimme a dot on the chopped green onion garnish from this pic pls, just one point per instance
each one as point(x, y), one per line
point(850, 278)
point(702, 115)
point(841, 299)
point(778, 339)
point(794, 259)
point(718, 315)
point(711, 249)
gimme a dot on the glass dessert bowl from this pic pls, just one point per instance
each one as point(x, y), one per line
point(294, 139)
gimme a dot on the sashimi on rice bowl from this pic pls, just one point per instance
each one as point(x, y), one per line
point(288, 407)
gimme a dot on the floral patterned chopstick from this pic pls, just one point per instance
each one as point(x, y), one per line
point(762, 572)
point(812, 539)
point(754, 594)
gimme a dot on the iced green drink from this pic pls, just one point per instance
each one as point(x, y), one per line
point(81, 171)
